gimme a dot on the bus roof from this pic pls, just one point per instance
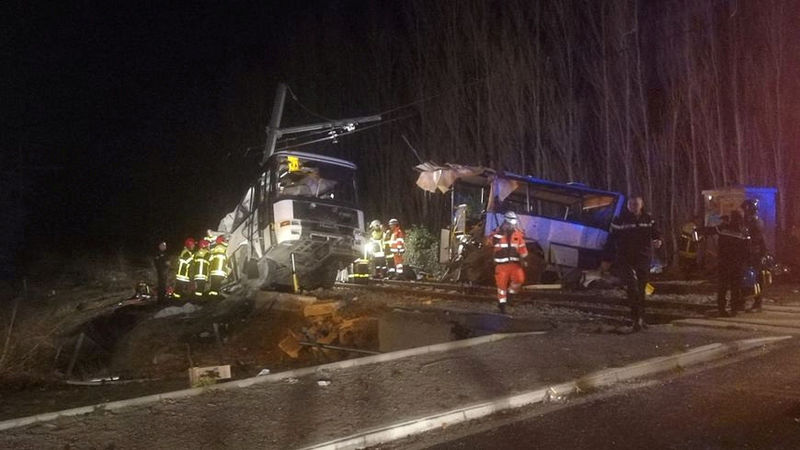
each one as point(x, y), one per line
point(573, 186)
point(316, 157)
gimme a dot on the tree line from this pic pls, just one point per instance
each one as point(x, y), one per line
point(663, 99)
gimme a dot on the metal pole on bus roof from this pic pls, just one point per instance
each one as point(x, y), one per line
point(273, 130)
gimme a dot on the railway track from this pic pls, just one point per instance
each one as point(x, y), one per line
point(594, 302)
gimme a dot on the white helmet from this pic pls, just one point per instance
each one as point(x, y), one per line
point(511, 217)
point(375, 224)
point(394, 222)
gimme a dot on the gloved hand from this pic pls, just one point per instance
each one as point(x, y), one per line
point(524, 263)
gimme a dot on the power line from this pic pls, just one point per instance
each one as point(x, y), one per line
point(346, 133)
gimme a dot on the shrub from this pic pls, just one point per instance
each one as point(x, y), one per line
point(422, 250)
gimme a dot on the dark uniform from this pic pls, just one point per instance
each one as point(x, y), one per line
point(733, 242)
point(630, 246)
point(161, 263)
point(757, 248)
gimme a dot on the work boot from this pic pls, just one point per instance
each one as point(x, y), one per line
point(723, 313)
point(756, 306)
point(639, 325)
point(502, 308)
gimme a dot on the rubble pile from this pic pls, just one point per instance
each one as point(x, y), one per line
point(327, 331)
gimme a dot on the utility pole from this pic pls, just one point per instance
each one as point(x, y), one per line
point(274, 131)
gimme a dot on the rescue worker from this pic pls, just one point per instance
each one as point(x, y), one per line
point(200, 268)
point(376, 248)
point(219, 265)
point(757, 248)
point(387, 253)
point(689, 247)
point(630, 245)
point(182, 279)
point(212, 240)
point(397, 244)
point(510, 251)
point(732, 243)
point(161, 263)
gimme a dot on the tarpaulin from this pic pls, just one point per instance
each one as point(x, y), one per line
point(434, 178)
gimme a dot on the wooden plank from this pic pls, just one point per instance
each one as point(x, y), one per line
point(321, 309)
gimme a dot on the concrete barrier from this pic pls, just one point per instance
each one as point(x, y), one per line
point(594, 380)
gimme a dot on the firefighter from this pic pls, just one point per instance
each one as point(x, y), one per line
point(376, 248)
point(161, 263)
point(212, 240)
point(630, 245)
point(510, 251)
point(182, 279)
point(387, 253)
point(397, 245)
point(732, 242)
point(689, 247)
point(219, 265)
point(200, 268)
point(757, 249)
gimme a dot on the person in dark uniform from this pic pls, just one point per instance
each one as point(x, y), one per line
point(630, 246)
point(732, 242)
point(161, 263)
point(757, 247)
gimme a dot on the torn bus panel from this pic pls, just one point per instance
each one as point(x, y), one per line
point(301, 211)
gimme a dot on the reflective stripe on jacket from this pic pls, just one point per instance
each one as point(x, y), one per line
point(631, 239)
point(219, 261)
point(200, 265)
point(184, 263)
point(397, 242)
point(508, 246)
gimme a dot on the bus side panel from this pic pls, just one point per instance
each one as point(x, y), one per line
point(563, 243)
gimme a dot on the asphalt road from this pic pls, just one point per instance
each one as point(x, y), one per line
point(750, 403)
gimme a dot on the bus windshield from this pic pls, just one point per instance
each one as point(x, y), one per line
point(295, 176)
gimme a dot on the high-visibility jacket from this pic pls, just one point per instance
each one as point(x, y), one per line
point(397, 241)
point(376, 243)
point(509, 246)
point(184, 263)
point(212, 241)
point(200, 265)
point(219, 261)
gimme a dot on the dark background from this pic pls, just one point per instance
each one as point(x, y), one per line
point(128, 120)
point(126, 124)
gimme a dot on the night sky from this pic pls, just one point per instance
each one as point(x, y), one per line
point(125, 125)
point(129, 119)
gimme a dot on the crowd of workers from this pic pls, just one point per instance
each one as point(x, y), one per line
point(628, 252)
point(201, 270)
point(203, 266)
point(386, 249)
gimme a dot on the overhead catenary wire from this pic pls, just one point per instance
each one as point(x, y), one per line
point(337, 135)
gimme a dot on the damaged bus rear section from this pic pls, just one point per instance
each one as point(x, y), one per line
point(565, 224)
point(300, 216)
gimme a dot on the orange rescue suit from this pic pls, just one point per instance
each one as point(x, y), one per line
point(509, 249)
point(397, 245)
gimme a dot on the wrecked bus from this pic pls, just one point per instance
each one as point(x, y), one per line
point(301, 216)
point(566, 225)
